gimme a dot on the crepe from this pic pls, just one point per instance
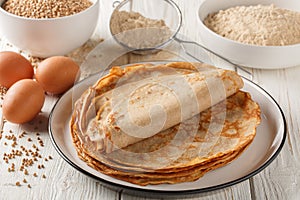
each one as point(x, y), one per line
point(183, 150)
point(146, 101)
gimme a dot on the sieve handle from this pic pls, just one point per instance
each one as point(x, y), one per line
point(116, 3)
point(184, 43)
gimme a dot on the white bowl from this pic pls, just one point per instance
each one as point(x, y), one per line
point(265, 57)
point(49, 37)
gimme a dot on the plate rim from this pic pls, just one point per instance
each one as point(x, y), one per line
point(171, 192)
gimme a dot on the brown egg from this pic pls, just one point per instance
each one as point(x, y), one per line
point(57, 74)
point(23, 101)
point(13, 67)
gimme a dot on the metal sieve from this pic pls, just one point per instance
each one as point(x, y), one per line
point(165, 10)
point(149, 39)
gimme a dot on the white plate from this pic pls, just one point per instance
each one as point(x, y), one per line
point(268, 142)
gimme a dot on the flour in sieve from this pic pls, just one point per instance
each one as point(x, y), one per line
point(138, 32)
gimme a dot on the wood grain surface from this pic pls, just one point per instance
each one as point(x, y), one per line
point(279, 181)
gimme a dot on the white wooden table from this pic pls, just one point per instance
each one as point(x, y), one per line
point(280, 180)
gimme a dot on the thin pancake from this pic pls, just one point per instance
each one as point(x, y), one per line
point(215, 136)
point(189, 174)
point(130, 105)
point(184, 152)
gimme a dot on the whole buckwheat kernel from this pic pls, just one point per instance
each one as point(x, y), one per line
point(45, 9)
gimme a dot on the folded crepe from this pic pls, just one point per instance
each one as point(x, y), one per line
point(147, 100)
point(168, 123)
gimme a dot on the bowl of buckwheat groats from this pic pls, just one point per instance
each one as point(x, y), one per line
point(253, 33)
point(48, 28)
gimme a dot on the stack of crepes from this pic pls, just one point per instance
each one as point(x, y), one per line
point(166, 123)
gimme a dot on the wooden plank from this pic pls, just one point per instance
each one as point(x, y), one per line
point(233, 192)
point(281, 179)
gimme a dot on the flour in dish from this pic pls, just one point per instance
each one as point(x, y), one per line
point(265, 25)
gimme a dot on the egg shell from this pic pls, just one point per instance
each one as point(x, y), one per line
point(23, 101)
point(14, 67)
point(57, 74)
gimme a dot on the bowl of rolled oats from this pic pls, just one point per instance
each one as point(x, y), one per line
point(48, 28)
point(252, 33)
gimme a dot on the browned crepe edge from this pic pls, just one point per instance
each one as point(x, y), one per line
point(121, 166)
point(179, 174)
point(186, 175)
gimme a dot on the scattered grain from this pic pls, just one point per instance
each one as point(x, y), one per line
point(32, 154)
point(35, 60)
point(22, 134)
point(14, 144)
point(3, 90)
